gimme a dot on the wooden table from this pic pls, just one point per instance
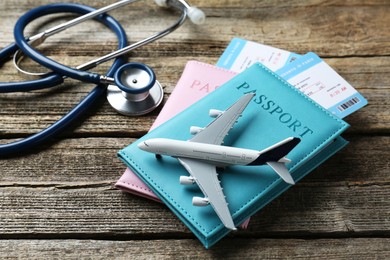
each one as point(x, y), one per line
point(58, 200)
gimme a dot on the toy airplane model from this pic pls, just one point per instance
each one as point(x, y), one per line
point(202, 154)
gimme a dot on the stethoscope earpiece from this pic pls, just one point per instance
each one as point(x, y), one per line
point(196, 15)
point(137, 92)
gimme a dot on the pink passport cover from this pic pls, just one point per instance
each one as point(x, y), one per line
point(198, 79)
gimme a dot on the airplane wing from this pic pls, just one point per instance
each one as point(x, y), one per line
point(206, 176)
point(215, 132)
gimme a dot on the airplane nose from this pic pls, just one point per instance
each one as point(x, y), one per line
point(143, 146)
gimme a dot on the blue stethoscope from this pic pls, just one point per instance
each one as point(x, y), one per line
point(132, 88)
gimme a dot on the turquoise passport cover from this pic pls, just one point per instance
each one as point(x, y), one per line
point(277, 111)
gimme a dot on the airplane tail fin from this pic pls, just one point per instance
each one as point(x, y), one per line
point(274, 157)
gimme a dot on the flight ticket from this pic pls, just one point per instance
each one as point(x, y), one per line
point(241, 54)
point(317, 80)
point(308, 73)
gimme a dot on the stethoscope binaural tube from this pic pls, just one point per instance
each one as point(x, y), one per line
point(79, 73)
point(87, 102)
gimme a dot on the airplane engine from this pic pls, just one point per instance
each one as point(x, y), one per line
point(195, 129)
point(198, 201)
point(215, 112)
point(186, 180)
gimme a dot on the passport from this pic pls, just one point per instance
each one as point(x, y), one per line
point(277, 111)
point(197, 80)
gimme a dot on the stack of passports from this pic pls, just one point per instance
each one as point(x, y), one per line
point(276, 112)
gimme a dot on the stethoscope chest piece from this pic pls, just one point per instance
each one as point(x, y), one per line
point(137, 92)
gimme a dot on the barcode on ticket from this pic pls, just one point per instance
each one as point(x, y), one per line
point(348, 104)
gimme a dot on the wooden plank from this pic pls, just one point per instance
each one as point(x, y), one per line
point(93, 161)
point(70, 211)
point(294, 26)
point(84, 160)
point(353, 248)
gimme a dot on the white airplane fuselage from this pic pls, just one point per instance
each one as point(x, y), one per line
point(216, 154)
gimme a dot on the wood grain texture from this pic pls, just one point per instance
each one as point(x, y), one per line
point(361, 248)
point(71, 211)
point(58, 201)
point(297, 26)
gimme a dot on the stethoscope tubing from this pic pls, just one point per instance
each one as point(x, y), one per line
point(45, 61)
point(50, 80)
point(88, 101)
point(79, 72)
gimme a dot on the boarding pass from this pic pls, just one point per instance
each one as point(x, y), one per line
point(316, 79)
point(241, 54)
point(308, 73)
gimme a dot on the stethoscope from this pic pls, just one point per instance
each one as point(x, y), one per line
point(132, 88)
